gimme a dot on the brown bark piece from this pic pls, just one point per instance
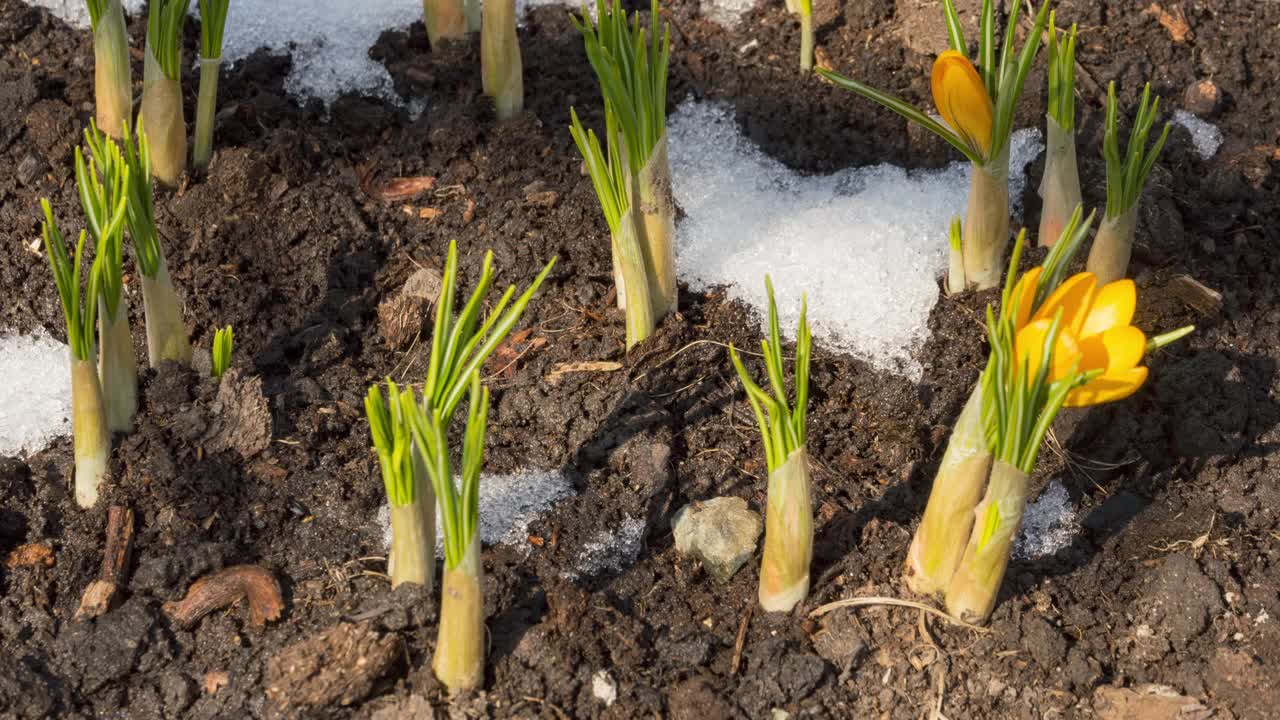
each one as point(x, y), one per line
point(337, 667)
point(30, 554)
point(99, 595)
point(225, 588)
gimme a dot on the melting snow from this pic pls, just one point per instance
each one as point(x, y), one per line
point(1048, 525)
point(867, 244)
point(1205, 136)
point(609, 550)
point(35, 397)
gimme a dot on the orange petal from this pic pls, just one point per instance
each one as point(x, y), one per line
point(1024, 293)
point(1073, 296)
point(1029, 349)
point(1113, 306)
point(962, 100)
point(1119, 348)
point(1115, 385)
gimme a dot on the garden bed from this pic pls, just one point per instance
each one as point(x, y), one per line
point(1169, 575)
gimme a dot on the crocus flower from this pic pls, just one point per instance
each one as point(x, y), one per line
point(963, 101)
point(1095, 334)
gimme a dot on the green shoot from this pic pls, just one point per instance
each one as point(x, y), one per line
point(806, 34)
point(104, 197)
point(79, 309)
point(140, 217)
point(1062, 75)
point(213, 21)
point(222, 346)
point(392, 441)
point(165, 19)
point(460, 345)
point(1125, 178)
point(782, 425)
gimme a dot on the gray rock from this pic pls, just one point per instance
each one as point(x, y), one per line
point(721, 533)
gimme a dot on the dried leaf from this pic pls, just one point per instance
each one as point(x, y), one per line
point(559, 371)
point(404, 188)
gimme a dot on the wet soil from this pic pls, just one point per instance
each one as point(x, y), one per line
point(1173, 578)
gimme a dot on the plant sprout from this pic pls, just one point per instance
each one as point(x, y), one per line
point(1109, 256)
point(633, 181)
point(223, 338)
point(939, 542)
point(166, 333)
point(1060, 186)
point(104, 196)
point(500, 67)
point(89, 431)
point(788, 533)
point(805, 8)
point(213, 21)
point(413, 519)
point(112, 74)
point(977, 105)
point(459, 657)
point(445, 20)
point(162, 113)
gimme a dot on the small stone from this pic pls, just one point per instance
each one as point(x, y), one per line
point(1202, 97)
point(721, 533)
point(537, 194)
point(604, 688)
point(29, 169)
point(400, 317)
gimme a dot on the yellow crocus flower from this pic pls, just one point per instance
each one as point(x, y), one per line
point(963, 101)
point(1094, 331)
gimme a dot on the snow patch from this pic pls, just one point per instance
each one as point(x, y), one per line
point(1048, 524)
point(609, 550)
point(508, 505)
point(866, 244)
point(35, 397)
point(1205, 136)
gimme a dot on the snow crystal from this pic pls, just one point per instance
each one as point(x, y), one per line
point(1048, 524)
point(1205, 136)
point(508, 505)
point(866, 244)
point(35, 399)
point(609, 550)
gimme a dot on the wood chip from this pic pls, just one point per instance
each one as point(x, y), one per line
point(1173, 20)
point(215, 681)
point(404, 188)
point(560, 370)
point(1196, 295)
point(116, 551)
point(29, 555)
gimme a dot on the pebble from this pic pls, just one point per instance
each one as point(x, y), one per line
point(1202, 98)
point(604, 688)
point(721, 533)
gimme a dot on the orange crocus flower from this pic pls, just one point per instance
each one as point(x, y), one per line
point(963, 101)
point(1094, 330)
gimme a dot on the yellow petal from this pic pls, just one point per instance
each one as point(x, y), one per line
point(1073, 296)
point(1029, 349)
point(1119, 348)
point(1112, 306)
point(1024, 293)
point(962, 100)
point(1115, 385)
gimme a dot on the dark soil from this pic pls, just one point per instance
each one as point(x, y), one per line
point(1174, 578)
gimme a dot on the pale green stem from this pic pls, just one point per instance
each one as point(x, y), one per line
point(658, 213)
point(501, 72)
point(445, 20)
point(939, 542)
point(788, 535)
point(88, 431)
point(1113, 246)
point(986, 223)
point(459, 656)
point(413, 540)
point(166, 332)
point(113, 84)
point(976, 585)
point(164, 122)
point(631, 257)
point(1060, 186)
point(806, 41)
point(117, 366)
point(206, 107)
